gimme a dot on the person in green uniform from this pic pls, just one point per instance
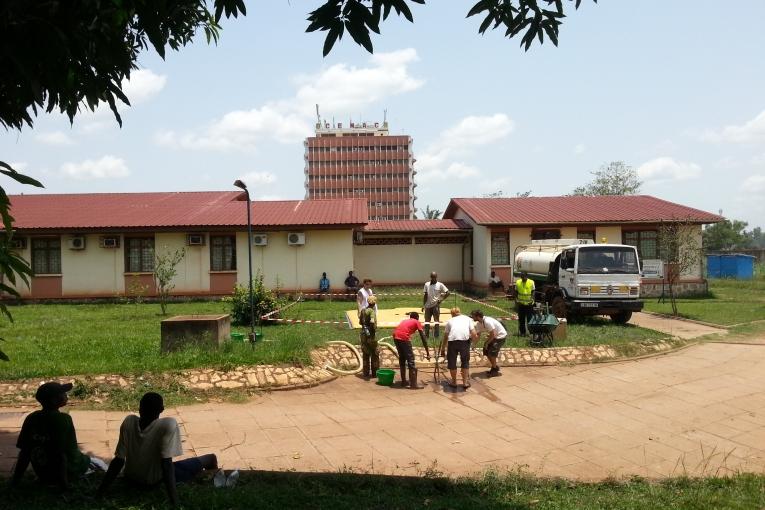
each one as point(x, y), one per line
point(369, 355)
point(48, 441)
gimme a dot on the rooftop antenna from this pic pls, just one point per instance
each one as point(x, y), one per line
point(385, 116)
point(318, 117)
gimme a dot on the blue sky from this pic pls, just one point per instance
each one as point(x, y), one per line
point(675, 89)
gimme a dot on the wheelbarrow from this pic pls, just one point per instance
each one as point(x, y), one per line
point(541, 325)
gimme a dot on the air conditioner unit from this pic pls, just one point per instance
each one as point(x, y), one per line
point(18, 243)
point(195, 239)
point(76, 243)
point(296, 239)
point(109, 241)
point(260, 239)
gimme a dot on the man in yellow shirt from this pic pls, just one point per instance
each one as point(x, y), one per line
point(524, 299)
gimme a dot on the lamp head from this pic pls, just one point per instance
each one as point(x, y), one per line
point(239, 184)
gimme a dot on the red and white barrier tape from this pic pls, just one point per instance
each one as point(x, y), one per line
point(274, 312)
point(379, 325)
point(487, 305)
point(352, 294)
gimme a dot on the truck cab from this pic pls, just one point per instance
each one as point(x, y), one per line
point(583, 278)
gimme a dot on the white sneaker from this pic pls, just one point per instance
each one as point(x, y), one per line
point(232, 478)
point(219, 480)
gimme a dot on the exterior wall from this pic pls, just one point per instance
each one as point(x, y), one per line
point(477, 271)
point(94, 271)
point(194, 269)
point(298, 267)
point(612, 234)
point(408, 263)
point(568, 232)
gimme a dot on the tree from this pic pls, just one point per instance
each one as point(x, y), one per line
point(523, 194)
point(726, 235)
point(431, 214)
point(616, 178)
point(165, 269)
point(757, 238)
point(680, 249)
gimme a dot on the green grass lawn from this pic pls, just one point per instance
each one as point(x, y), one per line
point(339, 491)
point(66, 339)
point(731, 302)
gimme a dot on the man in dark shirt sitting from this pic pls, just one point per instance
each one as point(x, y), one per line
point(48, 440)
point(351, 284)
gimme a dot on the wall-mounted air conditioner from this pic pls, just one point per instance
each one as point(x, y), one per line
point(195, 240)
point(260, 239)
point(109, 241)
point(18, 243)
point(296, 239)
point(76, 243)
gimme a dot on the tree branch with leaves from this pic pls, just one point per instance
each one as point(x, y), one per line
point(679, 244)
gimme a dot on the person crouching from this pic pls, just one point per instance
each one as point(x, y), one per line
point(369, 355)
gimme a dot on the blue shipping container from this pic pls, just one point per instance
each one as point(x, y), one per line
point(734, 265)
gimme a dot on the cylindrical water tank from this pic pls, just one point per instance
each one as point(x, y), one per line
point(534, 260)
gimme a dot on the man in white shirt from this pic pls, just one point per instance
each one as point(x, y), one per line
point(458, 333)
point(435, 292)
point(146, 448)
point(496, 334)
point(362, 296)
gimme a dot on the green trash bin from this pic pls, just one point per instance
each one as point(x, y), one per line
point(237, 337)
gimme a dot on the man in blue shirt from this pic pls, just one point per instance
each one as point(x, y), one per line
point(324, 284)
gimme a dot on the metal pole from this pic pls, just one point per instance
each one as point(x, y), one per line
point(249, 261)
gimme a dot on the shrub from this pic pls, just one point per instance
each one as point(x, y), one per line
point(264, 299)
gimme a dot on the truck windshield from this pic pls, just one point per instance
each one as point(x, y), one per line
point(607, 259)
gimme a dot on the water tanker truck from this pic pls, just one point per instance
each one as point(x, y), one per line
point(578, 277)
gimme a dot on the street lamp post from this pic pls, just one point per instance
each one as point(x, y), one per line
point(239, 184)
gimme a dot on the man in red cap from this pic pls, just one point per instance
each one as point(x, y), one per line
point(47, 440)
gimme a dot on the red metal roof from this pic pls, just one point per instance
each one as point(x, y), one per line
point(575, 210)
point(177, 209)
point(416, 225)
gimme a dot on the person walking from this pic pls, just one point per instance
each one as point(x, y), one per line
point(458, 333)
point(435, 293)
point(524, 300)
point(402, 338)
point(496, 334)
point(370, 358)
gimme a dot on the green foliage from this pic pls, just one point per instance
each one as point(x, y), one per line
point(431, 214)
point(616, 178)
point(535, 19)
point(349, 489)
point(677, 243)
point(264, 301)
point(731, 235)
point(165, 269)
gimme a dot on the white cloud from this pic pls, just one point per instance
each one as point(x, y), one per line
point(108, 167)
point(253, 178)
point(439, 159)
point(579, 149)
point(58, 138)
point(143, 85)
point(754, 184)
point(667, 169)
point(340, 89)
point(269, 197)
point(752, 131)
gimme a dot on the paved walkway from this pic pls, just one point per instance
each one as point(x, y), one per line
point(697, 411)
point(674, 327)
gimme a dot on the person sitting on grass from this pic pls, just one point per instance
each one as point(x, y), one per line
point(146, 447)
point(48, 440)
point(324, 284)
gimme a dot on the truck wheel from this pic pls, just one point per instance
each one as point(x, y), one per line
point(558, 306)
point(621, 317)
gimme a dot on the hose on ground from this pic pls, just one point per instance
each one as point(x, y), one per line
point(355, 352)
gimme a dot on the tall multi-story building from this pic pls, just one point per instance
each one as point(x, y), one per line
point(362, 160)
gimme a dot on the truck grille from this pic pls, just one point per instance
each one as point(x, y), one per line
point(610, 290)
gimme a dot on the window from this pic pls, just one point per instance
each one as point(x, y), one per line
point(46, 255)
point(222, 253)
point(644, 240)
point(585, 234)
point(139, 255)
point(500, 249)
point(552, 233)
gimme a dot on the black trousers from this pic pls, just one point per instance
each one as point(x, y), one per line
point(405, 354)
point(524, 314)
